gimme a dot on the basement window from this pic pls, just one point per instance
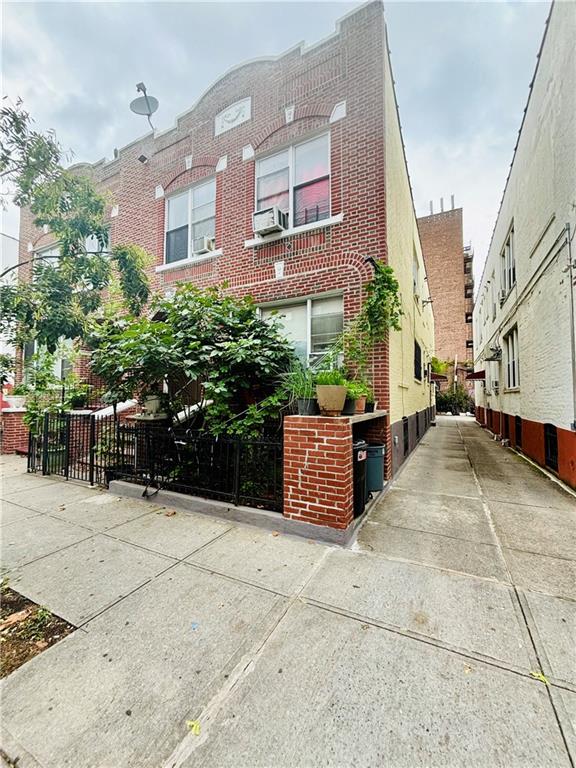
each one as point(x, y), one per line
point(551, 446)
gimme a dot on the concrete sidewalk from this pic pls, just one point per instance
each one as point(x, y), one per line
point(418, 646)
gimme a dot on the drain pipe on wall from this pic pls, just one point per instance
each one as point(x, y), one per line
point(572, 331)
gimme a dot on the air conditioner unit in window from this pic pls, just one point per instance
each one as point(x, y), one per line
point(269, 220)
point(203, 244)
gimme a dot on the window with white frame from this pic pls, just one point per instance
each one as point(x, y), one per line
point(512, 363)
point(48, 256)
point(297, 180)
point(190, 219)
point(312, 326)
point(415, 276)
point(493, 294)
point(508, 263)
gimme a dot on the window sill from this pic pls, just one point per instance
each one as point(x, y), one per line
point(511, 389)
point(189, 262)
point(255, 242)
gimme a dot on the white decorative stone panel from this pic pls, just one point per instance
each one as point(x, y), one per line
point(234, 115)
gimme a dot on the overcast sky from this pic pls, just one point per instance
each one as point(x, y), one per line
point(462, 71)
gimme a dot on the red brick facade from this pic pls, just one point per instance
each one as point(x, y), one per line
point(347, 67)
point(337, 88)
point(449, 270)
point(13, 431)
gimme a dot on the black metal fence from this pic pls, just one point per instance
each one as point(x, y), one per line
point(97, 450)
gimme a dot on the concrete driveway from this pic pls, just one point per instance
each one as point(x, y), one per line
point(443, 637)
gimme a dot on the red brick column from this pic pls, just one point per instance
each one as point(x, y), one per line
point(14, 432)
point(318, 485)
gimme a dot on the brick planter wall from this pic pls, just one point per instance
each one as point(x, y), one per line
point(14, 433)
point(318, 470)
point(318, 467)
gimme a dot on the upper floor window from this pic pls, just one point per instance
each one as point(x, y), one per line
point(297, 180)
point(190, 219)
point(508, 263)
point(512, 364)
point(493, 294)
point(468, 291)
point(468, 317)
point(417, 361)
point(415, 276)
point(312, 325)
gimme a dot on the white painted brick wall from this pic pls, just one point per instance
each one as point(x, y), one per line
point(541, 189)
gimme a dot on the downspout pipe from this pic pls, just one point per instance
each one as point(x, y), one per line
point(572, 330)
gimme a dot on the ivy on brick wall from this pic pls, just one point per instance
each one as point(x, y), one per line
point(381, 311)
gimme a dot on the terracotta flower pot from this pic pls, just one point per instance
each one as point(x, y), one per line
point(361, 404)
point(331, 399)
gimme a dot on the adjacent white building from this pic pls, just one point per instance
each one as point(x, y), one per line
point(524, 326)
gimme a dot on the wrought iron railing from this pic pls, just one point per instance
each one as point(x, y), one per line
point(98, 450)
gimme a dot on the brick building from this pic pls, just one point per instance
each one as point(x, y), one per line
point(314, 132)
point(524, 317)
point(450, 278)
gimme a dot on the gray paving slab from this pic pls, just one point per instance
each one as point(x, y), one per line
point(50, 496)
point(538, 491)
point(462, 518)
point(555, 621)
point(26, 540)
point(82, 580)
point(452, 483)
point(543, 530)
point(565, 703)
point(177, 534)
point(280, 563)
point(430, 549)
point(539, 573)
point(103, 511)
point(368, 697)
point(12, 513)
point(470, 614)
point(119, 694)
point(16, 482)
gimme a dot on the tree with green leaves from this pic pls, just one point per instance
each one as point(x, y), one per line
point(56, 295)
point(198, 335)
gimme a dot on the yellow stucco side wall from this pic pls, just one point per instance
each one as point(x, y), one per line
point(407, 395)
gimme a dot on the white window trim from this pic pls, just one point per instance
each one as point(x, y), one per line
point(337, 219)
point(300, 301)
point(291, 165)
point(508, 261)
point(512, 357)
point(191, 258)
point(189, 261)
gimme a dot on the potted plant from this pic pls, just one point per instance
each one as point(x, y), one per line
point(298, 383)
point(331, 392)
point(370, 402)
point(351, 396)
point(18, 397)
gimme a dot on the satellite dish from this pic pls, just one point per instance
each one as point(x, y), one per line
point(144, 105)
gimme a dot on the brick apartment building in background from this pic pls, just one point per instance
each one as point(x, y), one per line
point(524, 317)
point(449, 265)
point(316, 133)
